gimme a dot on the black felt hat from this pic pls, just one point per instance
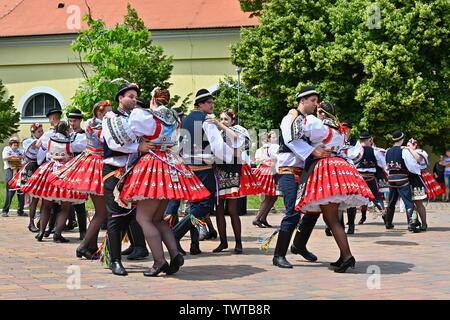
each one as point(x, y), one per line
point(52, 111)
point(397, 136)
point(75, 114)
point(202, 96)
point(305, 92)
point(125, 87)
point(364, 135)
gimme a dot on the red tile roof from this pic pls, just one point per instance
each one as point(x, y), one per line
point(43, 17)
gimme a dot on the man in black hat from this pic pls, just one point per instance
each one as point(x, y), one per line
point(78, 137)
point(201, 146)
point(367, 164)
point(400, 161)
point(54, 117)
point(120, 148)
point(295, 148)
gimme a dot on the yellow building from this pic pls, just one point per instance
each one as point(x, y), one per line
point(39, 69)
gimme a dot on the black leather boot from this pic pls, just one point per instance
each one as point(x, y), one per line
point(138, 253)
point(80, 210)
point(117, 268)
point(128, 251)
point(363, 217)
point(195, 241)
point(351, 215)
point(411, 221)
point(279, 258)
point(351, 229)
point(114, 245)
point(388, 218)
point(180, 229)
point(301, 239)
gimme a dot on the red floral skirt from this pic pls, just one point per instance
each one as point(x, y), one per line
point(83, 174)
point(14, 182)
point(22, 175)
point(432, 186)
point(266, 178)
point(39, 185)
point(153, 178)
point(249, 185)
point(334, 180)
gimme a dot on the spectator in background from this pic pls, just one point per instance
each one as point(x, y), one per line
point(12, 159)
point(439, 175)
point(446, 163)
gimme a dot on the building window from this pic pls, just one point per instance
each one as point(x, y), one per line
point(39, 105)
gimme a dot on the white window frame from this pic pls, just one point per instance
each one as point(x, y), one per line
point(31, 94)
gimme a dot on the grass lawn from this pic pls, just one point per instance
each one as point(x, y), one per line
point(253, 202)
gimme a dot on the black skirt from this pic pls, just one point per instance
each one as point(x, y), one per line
point(417, 187)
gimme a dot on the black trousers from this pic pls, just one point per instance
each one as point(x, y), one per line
point(119, 219)
point(81, 214)
point(10, 194)
point(373, 186)
point(201, 209)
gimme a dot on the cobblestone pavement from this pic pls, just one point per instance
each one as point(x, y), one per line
point(411, 266)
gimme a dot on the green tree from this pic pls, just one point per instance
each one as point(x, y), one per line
point(9, 116)
point(385, 66)
point(254, 113)
point(124, 53)
point(253, 6)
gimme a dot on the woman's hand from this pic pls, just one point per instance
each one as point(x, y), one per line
point(210, 118)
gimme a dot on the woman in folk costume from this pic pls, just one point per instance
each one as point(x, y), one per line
point(331, 184)
point(423, 185)
point(159, 176)
point(266, 156)
point(60, 150)
point(30, 149)
point(84, 174)
point(235, 180)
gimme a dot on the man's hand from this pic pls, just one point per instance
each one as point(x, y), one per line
point(321, 152)
point(144, 147)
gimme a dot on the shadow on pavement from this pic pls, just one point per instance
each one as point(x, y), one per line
point(359, 234)
point(397, 243)
point(439, 229)
point(362, 267)
point(227, 252)
point(217, 272)
point(385, 267)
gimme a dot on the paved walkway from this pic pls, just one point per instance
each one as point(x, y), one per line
point(411, 266)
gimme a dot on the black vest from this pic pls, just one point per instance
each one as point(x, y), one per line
point(194, 143)
point(394, 160)
point(368, 160)
point(283, 147)
point(107, 152)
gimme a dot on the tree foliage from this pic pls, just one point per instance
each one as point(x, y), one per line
point(124, 53)
point(9, 116)
point(253, 6)
point(254, 112)
point(385, 66)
